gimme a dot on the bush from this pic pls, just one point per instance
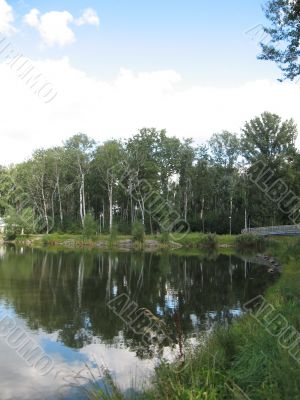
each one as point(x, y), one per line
point(164, 237)
point(250, 241)
point(90, 226)
point(138, 232)
point(209, 240)
point(10, 233)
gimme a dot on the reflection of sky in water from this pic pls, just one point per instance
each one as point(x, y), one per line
point(19, 381)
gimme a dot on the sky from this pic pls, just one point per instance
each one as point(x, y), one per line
point(109, 68)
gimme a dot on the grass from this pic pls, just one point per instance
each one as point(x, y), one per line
point(251, 242)
point(191, 240)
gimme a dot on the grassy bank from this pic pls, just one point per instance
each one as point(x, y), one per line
point(244, 361)
point(191, 240)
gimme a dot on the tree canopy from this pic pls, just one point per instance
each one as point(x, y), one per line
point(284, 32)
point(151, 178)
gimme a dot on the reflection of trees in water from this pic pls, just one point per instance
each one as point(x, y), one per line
point(67, 292)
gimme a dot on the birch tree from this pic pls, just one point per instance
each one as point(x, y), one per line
point(107, 159)
point(79, 150)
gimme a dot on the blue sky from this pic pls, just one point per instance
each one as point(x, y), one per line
point(205, 41)
point(117, 66)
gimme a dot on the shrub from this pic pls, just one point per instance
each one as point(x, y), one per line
point(164, 237)
point(250, 241)
point(90, 226)
point(10, 233)
point(209, 240)
point(138, 232)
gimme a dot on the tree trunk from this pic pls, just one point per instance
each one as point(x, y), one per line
point(45, 210)
point(61, 215)
point(185, 204)
point(103, 218)
point(52, 207)
point(202, 215)
point(80, 206)
point(110, 198)
point(230, 217)
point(81, 194)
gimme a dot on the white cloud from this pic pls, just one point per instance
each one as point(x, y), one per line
point(6, 18)
point(32, 18)
point(118, 108)
point(89, 17)
point(54, 26)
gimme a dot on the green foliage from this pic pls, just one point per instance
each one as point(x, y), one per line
point(123, 181)
point(249, 241)
point(90, 226)
point(164, 237)
point(138, 232)
point(269, 139)
point(17, 222)
point(283, 36)
point(209, 240)
point(224, 148)
point(10, 233)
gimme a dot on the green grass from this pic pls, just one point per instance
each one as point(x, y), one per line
point(191, 240)
point(196, 239)
point(249, 241)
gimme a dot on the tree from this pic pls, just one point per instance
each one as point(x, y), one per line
point(142, 150)
point(186, 159)
point(269, 139)
point(23, 221)
point(79, 149)
point(268, 144)
point(224, 148)
point(107, 159)
point(284, 45)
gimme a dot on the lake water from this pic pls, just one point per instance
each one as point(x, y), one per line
point(57, 305)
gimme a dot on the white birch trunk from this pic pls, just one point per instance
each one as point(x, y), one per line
point(110, 198)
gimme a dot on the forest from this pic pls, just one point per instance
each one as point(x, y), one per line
point(110, 185)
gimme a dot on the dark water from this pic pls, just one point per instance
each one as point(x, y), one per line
point(58, 301)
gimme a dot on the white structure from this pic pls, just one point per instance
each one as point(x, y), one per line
point(2, 225)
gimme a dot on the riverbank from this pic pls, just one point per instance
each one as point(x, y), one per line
point(151, 242)
point(258, 357)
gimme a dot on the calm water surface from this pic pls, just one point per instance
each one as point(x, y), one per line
point(58, 300)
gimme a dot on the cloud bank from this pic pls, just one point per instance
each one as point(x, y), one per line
point(118, 108)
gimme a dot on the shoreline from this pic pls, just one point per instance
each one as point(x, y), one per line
point(124, 242)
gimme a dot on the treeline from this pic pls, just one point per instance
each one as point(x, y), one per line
point(209, 186)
